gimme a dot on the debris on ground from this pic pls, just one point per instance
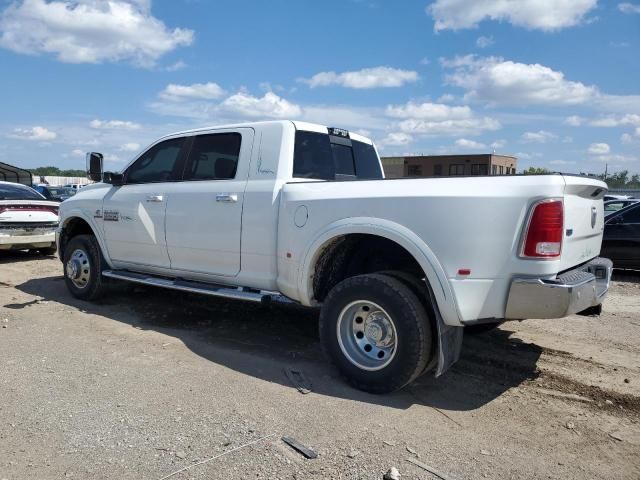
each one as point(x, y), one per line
point(392, 474)
point(616, 436)
point(299, 380)
point(306, 452)
point(426, 467)
point(353, 454)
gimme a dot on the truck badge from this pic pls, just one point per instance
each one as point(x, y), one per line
point(111, 215)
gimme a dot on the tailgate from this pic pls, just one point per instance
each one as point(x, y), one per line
point(583, 220)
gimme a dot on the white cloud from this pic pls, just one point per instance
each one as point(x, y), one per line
point(425, 61)
point(562, 162)
point(366, 78)
point(114, 125)
point(470, 144)
point(627, 7)
point(179, 65)
point(598, 149)
point(196, 91)
point(617, 121)
point(541, 136)
point(78, 153)
point(484, 42)
point(532, 14)
point(502, 82)
point(627, 139)
point(130, 147)
point(34, 133)
point(573, 120)
point(429, 111)
point(395, 139)
point(432, 119)
point(498, 144)
point(469, 126)
point(89, 31)
point(268, 106)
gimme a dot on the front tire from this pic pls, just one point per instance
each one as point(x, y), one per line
point(376, 331)
point(83, 264)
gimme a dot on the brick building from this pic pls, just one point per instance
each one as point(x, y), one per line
point(449, 165)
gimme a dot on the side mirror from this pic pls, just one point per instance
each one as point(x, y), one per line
point(94, 166)
point(115, 179)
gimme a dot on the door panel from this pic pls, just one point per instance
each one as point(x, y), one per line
point(204, 213)
point(134, 224)
point(134, 213)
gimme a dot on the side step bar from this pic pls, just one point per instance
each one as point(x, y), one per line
point(224, 291)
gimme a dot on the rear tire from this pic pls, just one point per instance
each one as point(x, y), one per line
point(376, 331)
point(83, 264)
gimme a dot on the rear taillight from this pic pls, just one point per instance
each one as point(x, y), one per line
point(29, 208)
point(543, 237)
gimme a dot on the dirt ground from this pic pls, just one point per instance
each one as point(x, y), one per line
point(149, 381)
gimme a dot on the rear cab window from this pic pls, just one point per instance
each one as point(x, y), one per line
point(334, 156)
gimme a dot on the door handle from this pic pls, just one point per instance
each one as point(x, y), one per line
point(154, 198)
point(227, 197)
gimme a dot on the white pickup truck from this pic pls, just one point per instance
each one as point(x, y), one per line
point(282, 209)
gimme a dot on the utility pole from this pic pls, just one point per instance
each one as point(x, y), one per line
point(606, 168)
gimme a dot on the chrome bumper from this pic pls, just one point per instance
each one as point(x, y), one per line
point(569, 293)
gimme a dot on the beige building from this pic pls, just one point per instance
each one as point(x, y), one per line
point(449, 165)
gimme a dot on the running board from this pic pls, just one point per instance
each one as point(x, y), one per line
point(235, 293)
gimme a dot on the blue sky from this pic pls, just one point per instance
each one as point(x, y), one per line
point(554, 82)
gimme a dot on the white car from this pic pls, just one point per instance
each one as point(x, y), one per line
point(277, 209)
point(27, 220)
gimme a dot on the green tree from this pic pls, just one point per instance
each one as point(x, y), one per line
point(56, 172)
point(536, 171)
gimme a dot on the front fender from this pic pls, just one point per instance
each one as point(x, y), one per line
point(78, 213)
point(392, 231)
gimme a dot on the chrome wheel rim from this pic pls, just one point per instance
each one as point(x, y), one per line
point(367, 335)
point(78, 268)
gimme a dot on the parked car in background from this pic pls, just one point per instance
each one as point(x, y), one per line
point(612, 206)
point(75, 186)
point(611, 196)
point(621, 241)
point(27, 220)
point(56, 194)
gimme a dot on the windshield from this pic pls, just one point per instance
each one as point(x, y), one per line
point(325, 157)
point(18, 192)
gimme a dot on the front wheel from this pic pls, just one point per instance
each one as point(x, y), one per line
point(376, 331)
point(83, 264)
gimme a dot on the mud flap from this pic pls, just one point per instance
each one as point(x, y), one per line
point(449, 346)
point(449, 342)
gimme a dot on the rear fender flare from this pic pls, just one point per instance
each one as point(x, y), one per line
point(435, 275)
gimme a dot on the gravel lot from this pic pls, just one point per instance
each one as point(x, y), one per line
point(149, 381)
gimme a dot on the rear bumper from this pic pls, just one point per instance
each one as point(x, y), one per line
point(569, 293)
point(18, 242)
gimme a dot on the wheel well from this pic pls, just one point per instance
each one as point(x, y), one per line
point(74, 227)
point(358, 254)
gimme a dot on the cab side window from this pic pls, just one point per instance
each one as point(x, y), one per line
point(214, 157)
point(158, 164)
